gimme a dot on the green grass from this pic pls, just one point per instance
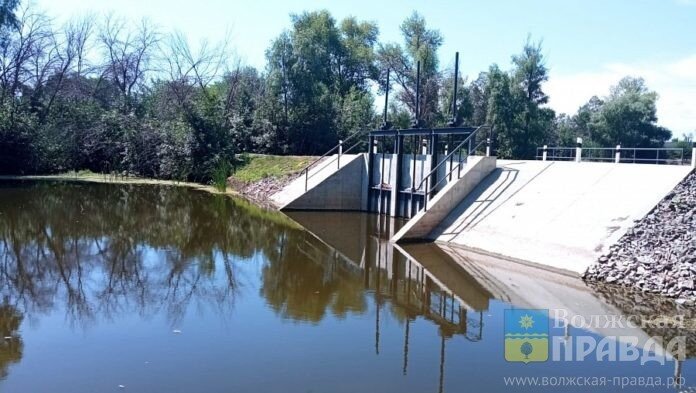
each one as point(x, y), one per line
point(220, 174)
point(254, 167)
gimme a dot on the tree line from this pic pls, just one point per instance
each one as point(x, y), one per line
point(109, 95)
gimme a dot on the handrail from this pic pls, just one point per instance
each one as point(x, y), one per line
point(457, 149)
point(338, 157)
point(619, 153)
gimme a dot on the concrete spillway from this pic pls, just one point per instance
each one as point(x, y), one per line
point(562, 215)
point(559, 215)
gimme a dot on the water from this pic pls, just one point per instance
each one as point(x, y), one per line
point(168, 289)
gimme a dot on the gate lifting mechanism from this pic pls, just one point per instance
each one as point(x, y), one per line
point(402, 188)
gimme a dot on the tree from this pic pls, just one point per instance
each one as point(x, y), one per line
point(516, 104)
point(529, 74)
point(128, 53)
point(628, 116)
point(8, 19)
point(420, 45)
point(317, 72)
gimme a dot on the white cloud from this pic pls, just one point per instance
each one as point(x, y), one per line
point(675, 82)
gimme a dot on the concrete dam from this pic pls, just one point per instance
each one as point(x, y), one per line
point(559, 215)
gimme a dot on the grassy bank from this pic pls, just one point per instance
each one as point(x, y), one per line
point(254, 209)
point(256, 176)
point(255, 167)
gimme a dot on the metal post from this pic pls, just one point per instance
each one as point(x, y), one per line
point(370, 171)
point(374, 146)
point(693, 155)
point(488, 147)
point(459, 164)
point(453, 122)
point(617, 155)
point(544, 153)
point(424, 150)
point(385, 123)
point(434, 157)
point(416, 120)
point(578, 150)
point(340, 151)
point(451, 158)
point(413, 173)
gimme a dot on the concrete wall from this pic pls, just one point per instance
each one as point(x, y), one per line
point(562, 215)
point(423, 223)
point(343, 190)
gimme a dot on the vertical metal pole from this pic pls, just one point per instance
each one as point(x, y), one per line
point(413, 172)
point(306, 179)
point(340, 151)
point(544, 153)
point(397, 198)
point(459, 164)
point(417, 115)
point(578, 150)
point(426, 193)
point(381, 180)
point(386, 100)
point(451, 158)
point(488, 147)
point(454, 96)
point(370, 171)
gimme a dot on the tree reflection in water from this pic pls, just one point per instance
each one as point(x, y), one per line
point(11, 345)
point(101, 250)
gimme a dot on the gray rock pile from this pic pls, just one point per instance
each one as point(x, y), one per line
point(658, 255)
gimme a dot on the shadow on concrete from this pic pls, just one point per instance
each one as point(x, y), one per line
point(495, 186)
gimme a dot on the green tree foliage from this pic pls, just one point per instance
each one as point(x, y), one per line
point(516, 104)
point(627, 116)
point(108, 95)
point(318, 74)
point(420, 45)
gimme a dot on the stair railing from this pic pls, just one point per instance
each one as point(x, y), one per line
point(468, 144)
point(341, 151)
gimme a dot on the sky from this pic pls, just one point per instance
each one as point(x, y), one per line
point(588, 45)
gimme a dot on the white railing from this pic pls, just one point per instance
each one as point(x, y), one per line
point(618, 154)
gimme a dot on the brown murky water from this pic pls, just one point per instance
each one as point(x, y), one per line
point(107, 288)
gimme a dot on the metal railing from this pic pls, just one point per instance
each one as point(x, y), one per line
point(635, 155)
point(341, 151)
point(470, 144)
point(556, 153)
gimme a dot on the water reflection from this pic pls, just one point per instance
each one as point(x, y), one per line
point(11, 345)
point(99, 251)
point(98, 254)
